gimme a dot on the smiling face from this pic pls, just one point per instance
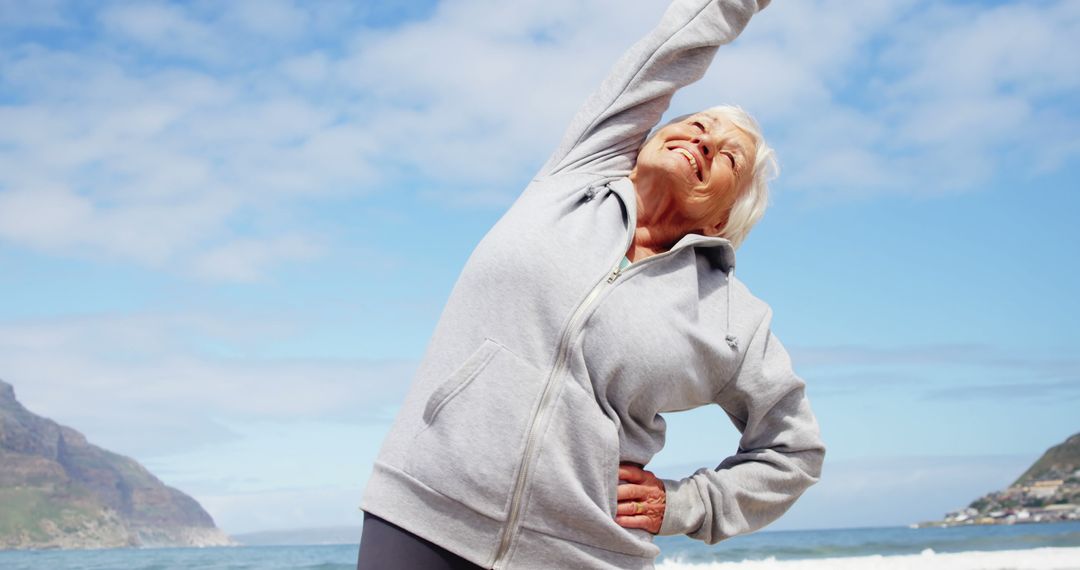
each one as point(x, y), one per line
point(689, 174)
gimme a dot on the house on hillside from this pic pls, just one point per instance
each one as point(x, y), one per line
point(1044, 489)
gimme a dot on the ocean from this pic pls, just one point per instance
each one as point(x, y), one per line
point(1035, 547)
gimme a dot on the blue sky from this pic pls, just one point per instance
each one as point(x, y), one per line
point(227, 229)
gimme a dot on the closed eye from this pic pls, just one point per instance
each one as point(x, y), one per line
point(731, 157)
point(700, 126)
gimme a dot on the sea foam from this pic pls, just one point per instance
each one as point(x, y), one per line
point(1033, 559)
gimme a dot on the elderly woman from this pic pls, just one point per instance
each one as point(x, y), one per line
point(604, 298)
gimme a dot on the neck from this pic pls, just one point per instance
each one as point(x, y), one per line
point(644, 245)
point(659, 225)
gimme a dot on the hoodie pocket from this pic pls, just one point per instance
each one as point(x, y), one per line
point(575, 499)
point(475, 426)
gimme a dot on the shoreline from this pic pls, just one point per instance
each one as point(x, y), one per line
point(1043, 558)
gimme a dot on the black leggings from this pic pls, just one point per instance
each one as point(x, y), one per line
point(384, 546)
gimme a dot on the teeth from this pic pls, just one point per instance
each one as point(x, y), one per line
point(690, 157)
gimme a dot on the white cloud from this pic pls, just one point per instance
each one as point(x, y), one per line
point(307, 68)
point(483, 89)
point(153, 166)
point(295, 103)
point(182, 378)
point(859, 101)
point(246, 259)
point(272, 19)
point(43, 217)
point(904, 97)
point(165, 28)
point(968, 50)
point(41, 14)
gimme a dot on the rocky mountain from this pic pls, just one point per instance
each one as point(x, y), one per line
point(1048, 491)
point(57, 490)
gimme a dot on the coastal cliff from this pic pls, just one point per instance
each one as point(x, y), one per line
point(60, 491)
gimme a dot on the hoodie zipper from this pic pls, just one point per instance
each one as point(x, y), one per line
point(545, 398)
point(549, 389)
point(541, 414)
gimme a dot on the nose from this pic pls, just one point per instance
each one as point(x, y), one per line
point(702, 144)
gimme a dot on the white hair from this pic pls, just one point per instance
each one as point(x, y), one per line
point(750, 206)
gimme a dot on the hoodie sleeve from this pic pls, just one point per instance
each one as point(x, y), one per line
point(608, 130)
point(780, 452)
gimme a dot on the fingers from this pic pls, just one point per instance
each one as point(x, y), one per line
point(625, 508)
point(628, 491)
point(632, 473)
point(642, 499)
point(628, 508)
point(638, 521)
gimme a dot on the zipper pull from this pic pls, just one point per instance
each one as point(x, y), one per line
point(614, 275)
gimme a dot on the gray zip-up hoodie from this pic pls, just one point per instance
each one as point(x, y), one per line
point(549, 365)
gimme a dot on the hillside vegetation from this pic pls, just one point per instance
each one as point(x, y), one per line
point(60, 491)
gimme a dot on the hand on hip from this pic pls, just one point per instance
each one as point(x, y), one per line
point(642, 499)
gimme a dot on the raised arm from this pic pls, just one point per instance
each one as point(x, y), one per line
point(780, 452)
point(608, 130)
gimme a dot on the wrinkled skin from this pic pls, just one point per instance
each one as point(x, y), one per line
point(641, 499)
point(687, 177)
